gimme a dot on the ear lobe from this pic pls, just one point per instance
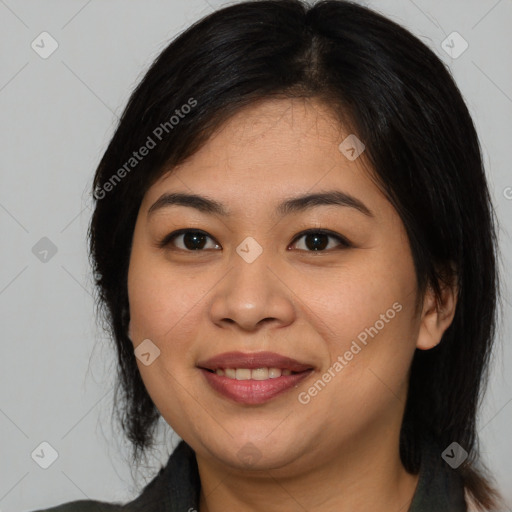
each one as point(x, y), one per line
point(436, 316)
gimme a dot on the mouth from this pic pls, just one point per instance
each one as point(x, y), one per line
point(253, 378)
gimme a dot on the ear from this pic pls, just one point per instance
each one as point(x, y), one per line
point(436, 316)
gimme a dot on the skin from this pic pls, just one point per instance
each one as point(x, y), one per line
point(339, 452)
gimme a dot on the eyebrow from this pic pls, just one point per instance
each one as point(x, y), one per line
point(287, 207)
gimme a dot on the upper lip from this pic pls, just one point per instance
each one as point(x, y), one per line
point(253, 360)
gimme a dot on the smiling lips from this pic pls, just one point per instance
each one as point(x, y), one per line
point(253, 378)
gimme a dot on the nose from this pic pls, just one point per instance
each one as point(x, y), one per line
point(252, 295)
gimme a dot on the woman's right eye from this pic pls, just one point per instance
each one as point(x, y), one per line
point(191, 240)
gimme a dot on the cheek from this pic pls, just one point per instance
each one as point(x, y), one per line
point(366, 315)
point(160, 310)
point(343, 302)
point(161, 300)
point(366, 379)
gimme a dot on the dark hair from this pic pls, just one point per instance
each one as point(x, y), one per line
point(394, 93)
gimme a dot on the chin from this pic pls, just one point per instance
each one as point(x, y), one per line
point(257, 454)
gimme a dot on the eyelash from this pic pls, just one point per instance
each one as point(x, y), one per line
point(166, 241)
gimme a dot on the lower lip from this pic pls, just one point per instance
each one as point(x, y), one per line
point(253, 391)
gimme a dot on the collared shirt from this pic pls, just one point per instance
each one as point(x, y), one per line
point(177, 486)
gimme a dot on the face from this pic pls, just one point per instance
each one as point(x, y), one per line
point(330, 286)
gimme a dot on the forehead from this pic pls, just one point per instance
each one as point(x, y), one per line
point(272, 134)
point(268, 151)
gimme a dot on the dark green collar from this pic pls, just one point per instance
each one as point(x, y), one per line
point(440, 487)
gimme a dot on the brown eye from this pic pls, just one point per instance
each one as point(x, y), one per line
point(317, 240)
point(190, 240)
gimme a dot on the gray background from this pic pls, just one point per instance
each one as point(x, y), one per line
point(57, 115)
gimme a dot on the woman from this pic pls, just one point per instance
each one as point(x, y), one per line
point(295, 250)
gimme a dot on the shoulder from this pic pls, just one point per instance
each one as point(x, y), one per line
point(175, 487)
point(84, 506)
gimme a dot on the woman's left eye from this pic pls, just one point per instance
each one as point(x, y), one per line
point(316, 240)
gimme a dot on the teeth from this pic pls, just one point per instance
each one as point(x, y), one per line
point(243, 374)
point(256, 374)
point(259, 374)
point(230, 372)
